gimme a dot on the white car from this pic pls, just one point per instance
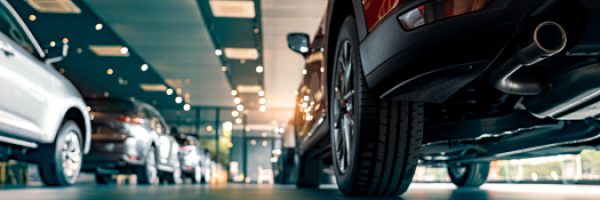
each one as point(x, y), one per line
point(43, 118)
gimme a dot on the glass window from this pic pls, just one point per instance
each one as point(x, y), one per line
point(11, 28)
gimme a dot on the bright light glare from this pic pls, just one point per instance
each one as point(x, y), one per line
point(178, 99)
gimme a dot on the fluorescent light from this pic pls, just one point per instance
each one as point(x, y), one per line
point(54, 6)
point(110, 50)
point(232, 8)
point(249, 88)
point(241, 53)
point(153, 87)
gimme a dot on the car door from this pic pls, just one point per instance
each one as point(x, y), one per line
point(25, 81)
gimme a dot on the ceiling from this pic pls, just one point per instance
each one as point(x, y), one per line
point(172, 36)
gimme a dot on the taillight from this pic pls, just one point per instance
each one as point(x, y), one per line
point(131, 120)
point(439, 9)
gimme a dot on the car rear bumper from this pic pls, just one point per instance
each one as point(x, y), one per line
point(390, 54)
point(112, 156)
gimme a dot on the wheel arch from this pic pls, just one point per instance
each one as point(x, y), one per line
point(76, 115)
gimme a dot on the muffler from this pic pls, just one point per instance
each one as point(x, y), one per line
point(548, 39)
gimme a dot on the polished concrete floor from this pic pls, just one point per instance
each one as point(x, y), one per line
point(252, 192)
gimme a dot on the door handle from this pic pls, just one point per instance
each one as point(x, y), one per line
point(7, 49)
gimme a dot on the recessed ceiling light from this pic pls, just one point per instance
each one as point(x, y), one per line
point(54, 6)
point(233, 8)
point(32, 18)
point(178, 99)
point(52, 43)
point(169, 91)
point(144, 67)
point(262, 101)
point(241, 53)
point(110, 50)
point(218, 52)
point(240, 107)
point(124, 50)
point(235, 113)
point(99, 26)
point(253, 89)
point(238, 120)
point(261, 93)
point(110, 71)
point(223, 68)
point(262, 108)
point(304, 72)
point(187, 107)
point(259, 69)
point(237, 100)
point(153, 87)
point(234, 92)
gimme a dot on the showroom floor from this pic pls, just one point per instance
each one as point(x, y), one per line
point(251, 192)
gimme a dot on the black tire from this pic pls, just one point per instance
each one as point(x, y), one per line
point(309, 172)
point(145, 174)
point(384, 137)
point(171, 177)
point(469, 175)
point(55, 172)
point(104, 179)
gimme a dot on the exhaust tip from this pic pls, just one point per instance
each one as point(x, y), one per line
point(550, 36)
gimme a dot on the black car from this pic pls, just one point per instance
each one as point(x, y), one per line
point(130, 137)
point(456, 83)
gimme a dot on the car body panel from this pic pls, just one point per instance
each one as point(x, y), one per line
point(36, 97)
point(377, 10)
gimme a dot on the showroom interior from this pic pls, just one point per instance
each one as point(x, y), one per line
point(299, 99)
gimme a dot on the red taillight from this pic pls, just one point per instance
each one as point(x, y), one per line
point(131, 120)
point(439, 9)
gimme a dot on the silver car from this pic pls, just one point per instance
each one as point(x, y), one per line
point(43, 118)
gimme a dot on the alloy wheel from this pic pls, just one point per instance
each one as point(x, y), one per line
point(71, 155)
point(343, 115)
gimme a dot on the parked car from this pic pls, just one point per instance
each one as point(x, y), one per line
point(191, 158)
point(130, 137)
point(42, 115)
point(456, 83)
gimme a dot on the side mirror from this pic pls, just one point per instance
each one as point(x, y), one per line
point(298, 42)
point(57, 53)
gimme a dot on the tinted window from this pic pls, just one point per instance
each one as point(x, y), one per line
point(107, 106)
point(11, 28)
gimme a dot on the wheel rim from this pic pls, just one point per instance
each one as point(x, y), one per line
point(343, 106)
point(71, 155)
point(458, 171)
point(151, 170)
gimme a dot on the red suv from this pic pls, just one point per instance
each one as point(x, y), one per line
point(389, 84)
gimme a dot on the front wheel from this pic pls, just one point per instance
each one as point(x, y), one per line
point(375, 143)
point(66, 154)
point(469, 175)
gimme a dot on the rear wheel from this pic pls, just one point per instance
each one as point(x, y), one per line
point(375, 143)
point(148, 173)
point(66, 154)
point(469, 175)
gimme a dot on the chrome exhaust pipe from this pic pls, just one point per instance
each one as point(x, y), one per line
point(548, 39)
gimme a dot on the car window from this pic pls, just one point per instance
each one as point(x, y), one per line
point(11, 28)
